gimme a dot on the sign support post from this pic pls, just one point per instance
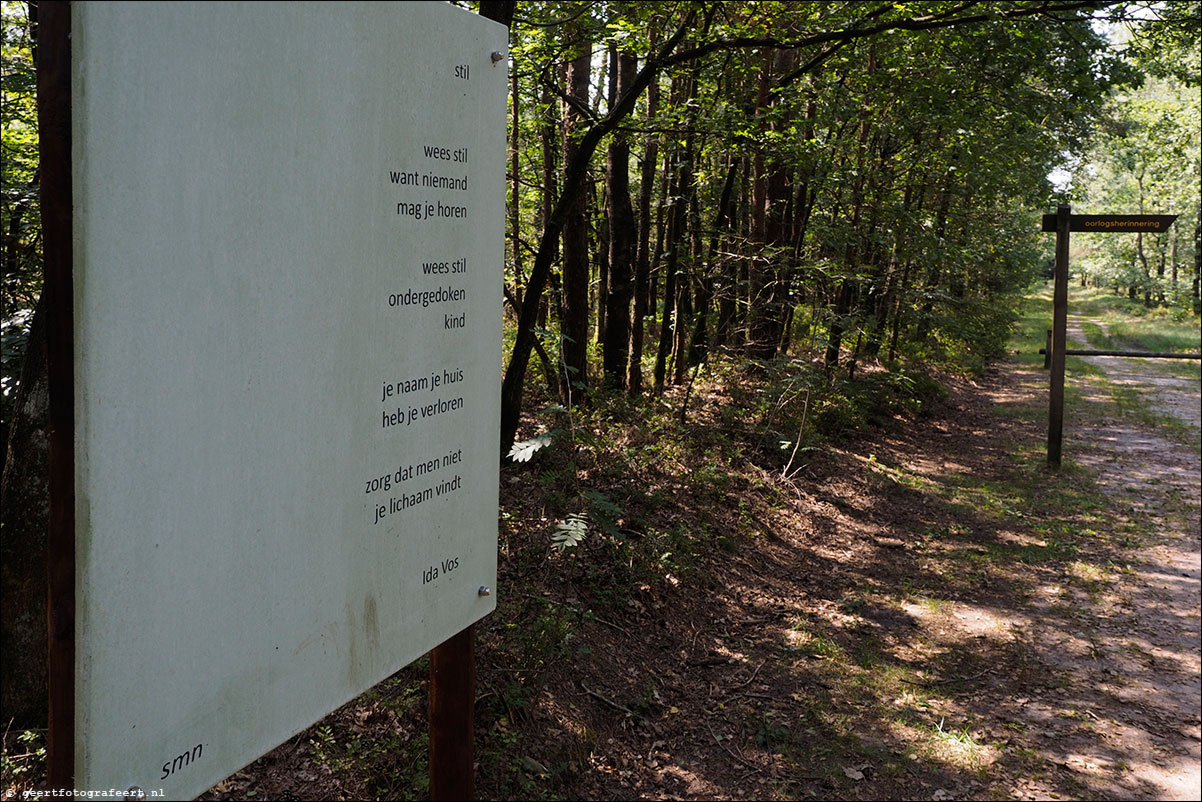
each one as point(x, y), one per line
point(1062, 223)
point(452, 717)
point(1059, 337)
point(54, 127)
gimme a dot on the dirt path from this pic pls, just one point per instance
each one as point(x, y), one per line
point(933, 616)
point(1087, 680)
point(1152, 617)
point(1172, 395)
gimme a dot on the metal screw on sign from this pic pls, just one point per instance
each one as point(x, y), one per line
point(135, 792)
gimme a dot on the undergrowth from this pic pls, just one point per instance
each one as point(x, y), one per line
point(619, 482)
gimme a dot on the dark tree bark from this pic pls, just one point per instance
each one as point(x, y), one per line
point(24, 479)
point(498, 11)
point(574, 173)
point(760, 335)
point(936, 271)
point(573, 326)
point(616, 340)
point(849, 286)
point(699, 346)
point(683, 301)
point(667, 320)
point(676, 169)
point(550, 194)
point(642, 278)
point(827, 43)
point(515, 205)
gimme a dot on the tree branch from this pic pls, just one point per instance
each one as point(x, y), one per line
point(858, 31)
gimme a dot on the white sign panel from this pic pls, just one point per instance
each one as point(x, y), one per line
point(288, 271)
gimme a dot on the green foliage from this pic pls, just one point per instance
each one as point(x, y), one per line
point(523, 450)
point(601, 513)
point(1125, 324)
point(20, 211)
point(571, 531)
point(1169, 44)
point(604, 512)
point(870, 399)
point(370, 745)
point(24, 759)
point(901, 175)
point(771, 735)
point(1147, 160)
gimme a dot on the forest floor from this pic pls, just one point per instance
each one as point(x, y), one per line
point(919, 611)
point(922, 612)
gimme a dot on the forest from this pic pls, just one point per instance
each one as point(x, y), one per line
point(741, 238)
point(777, 180)
point(826, 179)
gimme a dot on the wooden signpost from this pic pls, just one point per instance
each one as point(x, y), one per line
point(274, 252)
point(1062, 223)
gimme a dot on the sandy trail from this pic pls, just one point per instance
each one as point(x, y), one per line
point(1144, 652)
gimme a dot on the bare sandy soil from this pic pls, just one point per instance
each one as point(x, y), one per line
point(1157, 612)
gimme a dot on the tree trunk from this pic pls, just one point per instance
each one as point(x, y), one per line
point(515, 205)
point(699, 346)
point(727, 289)
point(573, 181)
point(849, 286)
point(675, 230)
point(936, 271)
point(760, 334)
point(615, 348)
point(25, 477)
point(642, 260)
point(573, 326)
point(1196, 288)
point(778, 213)
point(550, 196)
point(498, 11)
point(691, 224)
point(1173, 260)
point(679, 185)
point(1160, 275)
point(601, 260)
point(898, 312)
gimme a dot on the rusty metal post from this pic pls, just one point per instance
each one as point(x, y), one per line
point(452, 717)
point(1059, 338)
point(54, 142)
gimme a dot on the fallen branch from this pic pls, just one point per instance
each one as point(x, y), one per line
point(608, 701)
point(707, 661)
point(933, 682)
point(754, 768)
point(749, 681)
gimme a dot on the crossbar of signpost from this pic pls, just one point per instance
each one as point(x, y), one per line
point(1063, 222)
point(1139, 354)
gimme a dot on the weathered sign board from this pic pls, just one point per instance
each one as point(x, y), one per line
point(1133, 223)
point(288, 250)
